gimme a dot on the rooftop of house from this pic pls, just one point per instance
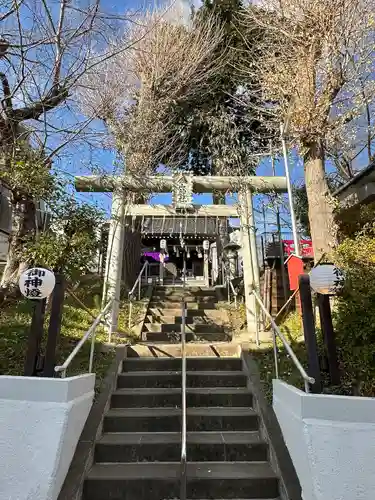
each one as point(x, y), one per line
point(360, 190)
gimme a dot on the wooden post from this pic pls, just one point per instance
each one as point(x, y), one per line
point(309, 332)
point(329, 337)
point(35, 338)
point(54, 326)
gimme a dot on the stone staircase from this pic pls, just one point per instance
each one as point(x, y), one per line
point(138, 454)
point(205, 321)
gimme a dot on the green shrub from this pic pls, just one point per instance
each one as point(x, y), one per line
point(355, 312)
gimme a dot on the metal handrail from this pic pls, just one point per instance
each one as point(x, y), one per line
point(228, 282)
point(183, 402)
point(138, 282)
point(277, 332)
point(91, 331)
point(231, 287)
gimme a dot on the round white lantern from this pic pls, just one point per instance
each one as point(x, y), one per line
point(206, 245)
point(326, 279)
point(163, 244)
point(37, 283)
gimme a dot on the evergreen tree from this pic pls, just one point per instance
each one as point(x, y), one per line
point(222, 132)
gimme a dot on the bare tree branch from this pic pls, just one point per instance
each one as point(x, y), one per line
point(159, 63)
point(11, 11)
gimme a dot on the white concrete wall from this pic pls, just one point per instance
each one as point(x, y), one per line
point(331, 440)
point(41, 420)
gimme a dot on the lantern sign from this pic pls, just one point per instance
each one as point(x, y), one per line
point(235, 237)
point(326, 279)
point(163, 244)
point(206, 245)
point(37, 283)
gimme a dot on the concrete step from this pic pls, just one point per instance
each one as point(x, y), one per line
point(155, 481)
point(169, 419)
point(173, 379)
point(189, 328)
point(175, 337)
point(157, 312)
point(188, 289)
point(166, 447)
point(195, 397)
point(189, 320)
point(157, 304)
point(213, 349)
point(178, 297)
point(174, 364)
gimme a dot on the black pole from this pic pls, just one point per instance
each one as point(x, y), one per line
point(54, 326)
point(309, 332)
point(35, 338)
point(329, 337)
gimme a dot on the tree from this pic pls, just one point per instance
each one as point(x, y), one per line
point(161, 63)
point(45, 49)
point(223, 130)
point(71, 242)
point(316, 67)
point(301, 206)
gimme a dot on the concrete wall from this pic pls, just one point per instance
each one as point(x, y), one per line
point(41, 420)
point(331, 440)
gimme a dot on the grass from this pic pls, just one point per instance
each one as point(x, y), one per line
point(15, 320)
point(264, 355)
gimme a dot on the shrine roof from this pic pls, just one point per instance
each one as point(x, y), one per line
point(186, 225)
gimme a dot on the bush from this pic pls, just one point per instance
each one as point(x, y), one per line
point(355, 312)
point(70, 244)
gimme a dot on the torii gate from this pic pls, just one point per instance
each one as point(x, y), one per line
point(244, 186)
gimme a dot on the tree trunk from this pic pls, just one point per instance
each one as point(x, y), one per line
point(23, 229)
point(321, 209)
point(132, 253)
point(218, 198)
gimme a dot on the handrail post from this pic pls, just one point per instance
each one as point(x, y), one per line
point(183, 383)
point(277, 333)
point(137, 284)
point(130, 311)
point(308, 321)
point(92, 349)
point(274, 338)
point(91, 331)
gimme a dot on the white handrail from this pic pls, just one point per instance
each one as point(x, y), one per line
point(139, 279)
point(234, 293)
point(276, 331)
point(138, 282)
point(91, 331)
point(228, 282)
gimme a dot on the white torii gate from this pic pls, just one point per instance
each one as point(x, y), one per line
point(244, 186)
